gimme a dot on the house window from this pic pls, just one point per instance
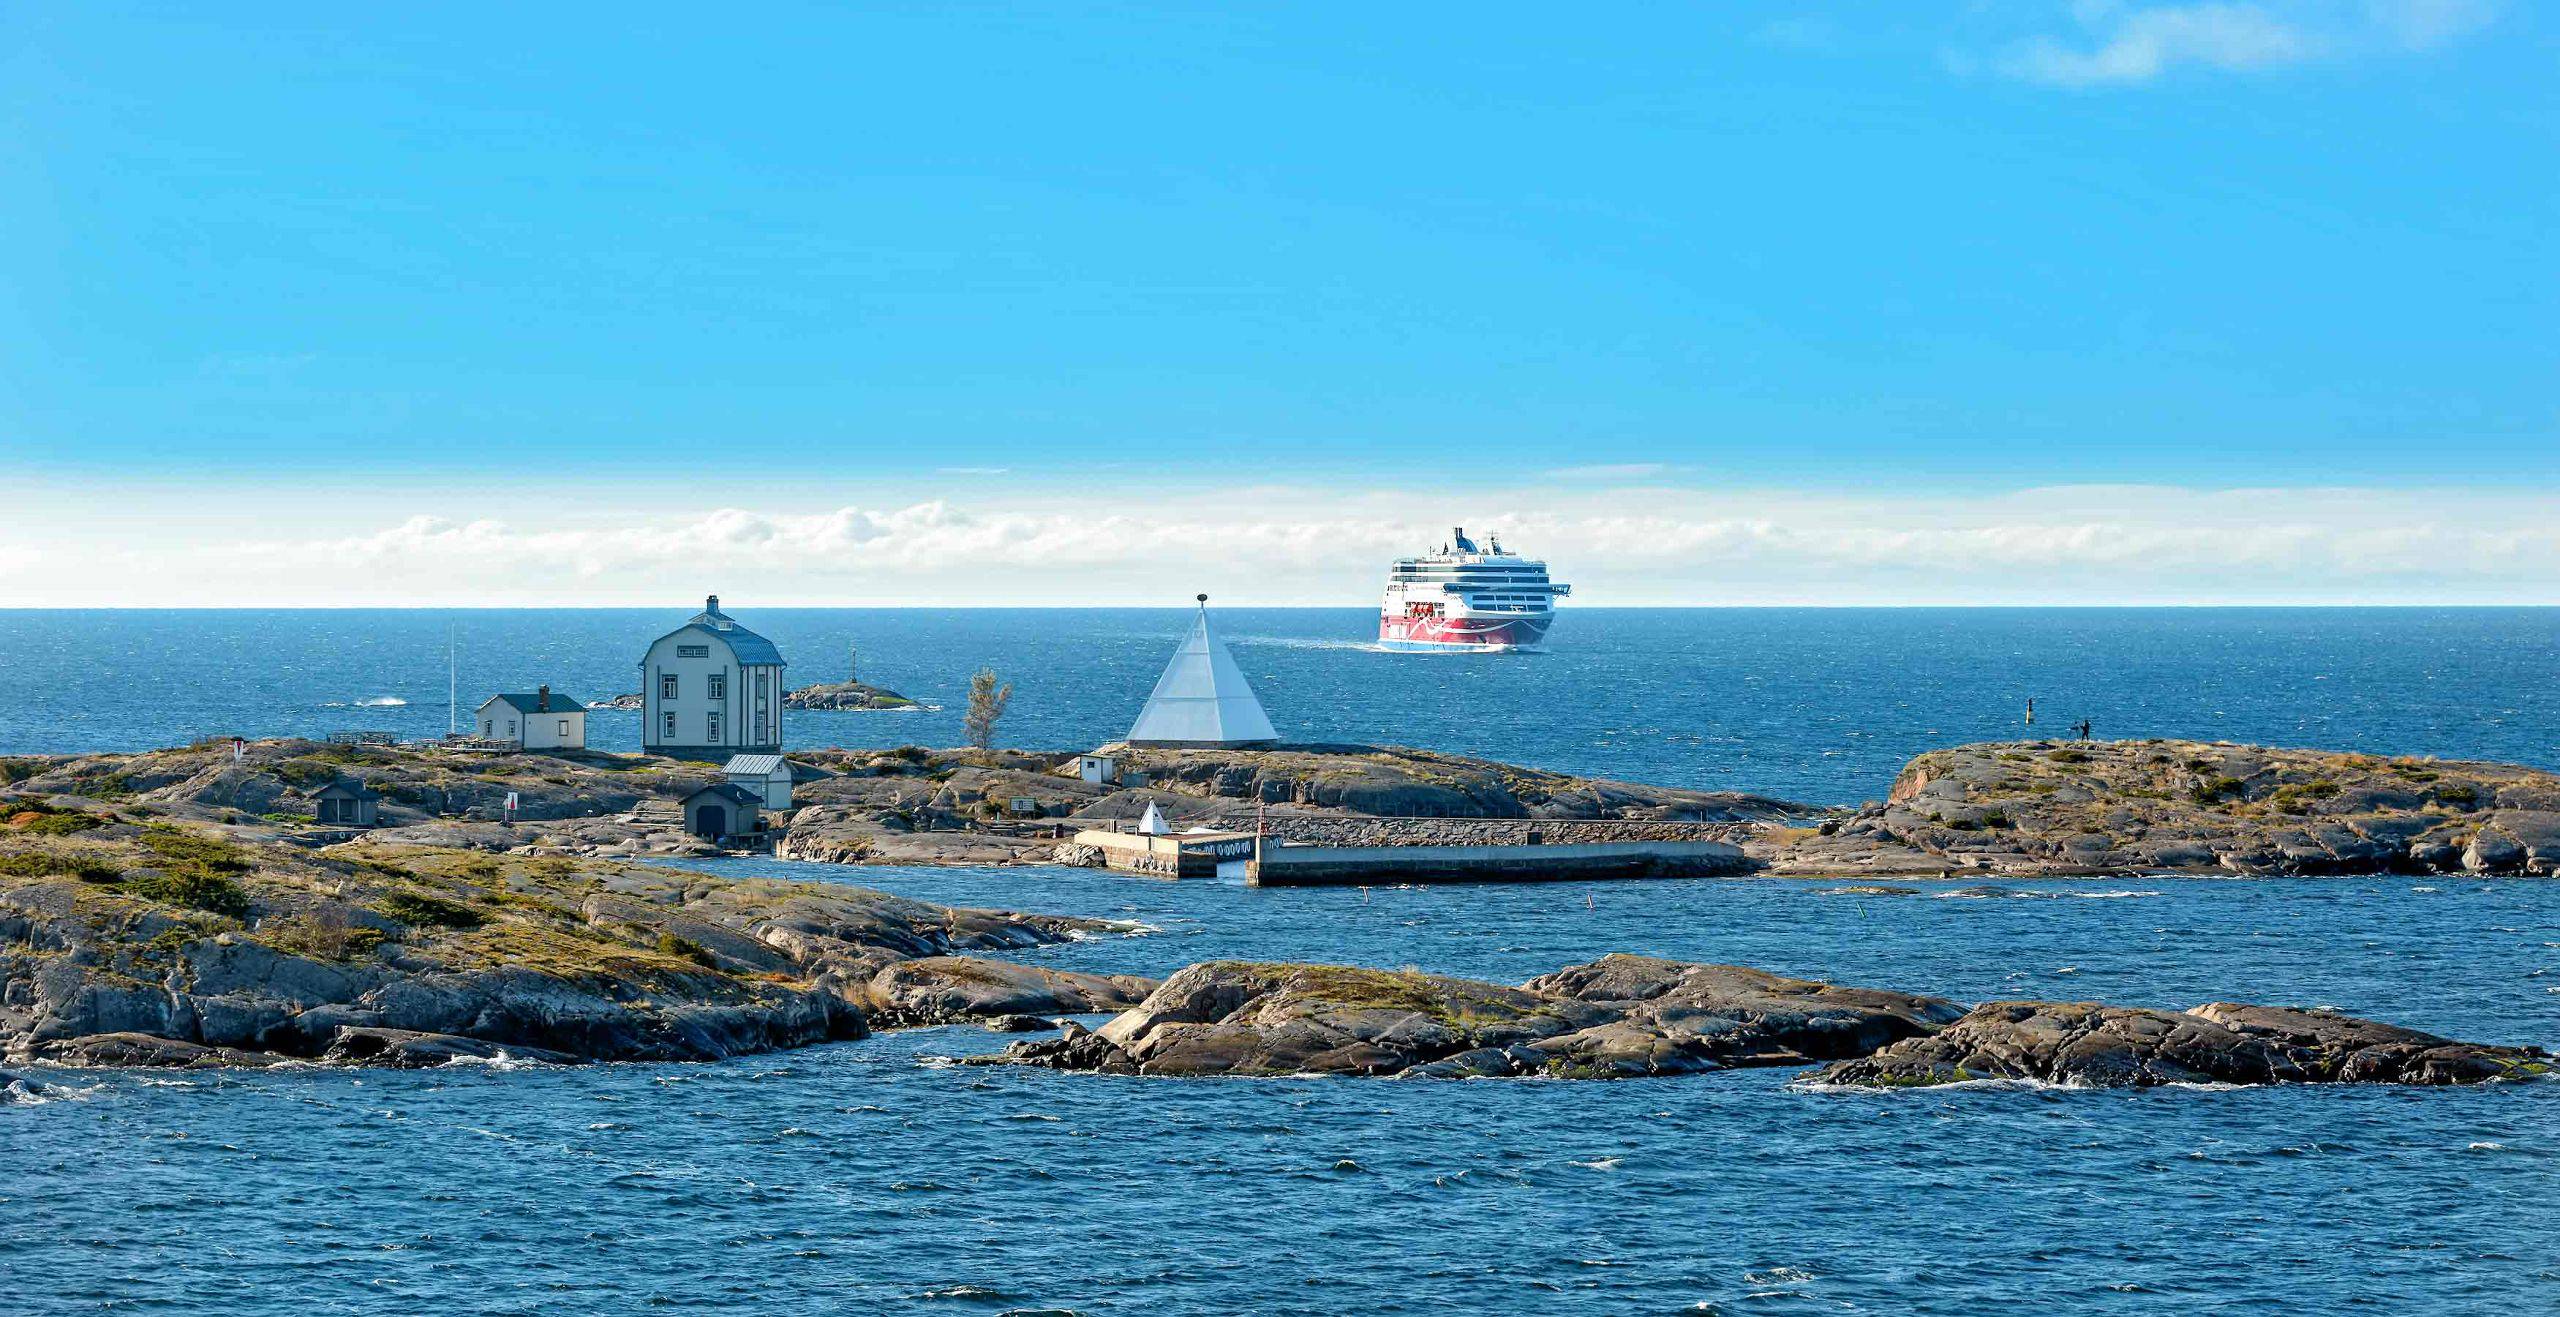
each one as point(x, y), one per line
point(671, 730)
point(667, 686)
point(693, 651)
point(564, 727)
point(511, 727)
point(761, 679)
point(719, 685)
point(711, 727)
point(488, 727)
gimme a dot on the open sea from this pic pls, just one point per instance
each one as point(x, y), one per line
point(877, 1177)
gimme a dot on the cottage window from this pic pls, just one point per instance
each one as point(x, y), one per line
point(511, 727)
point(564, 727)
point(667, 686)
point(719, 685)
point(671, 729)
point(711, 727)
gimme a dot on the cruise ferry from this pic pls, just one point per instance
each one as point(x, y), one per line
point(1466, 597)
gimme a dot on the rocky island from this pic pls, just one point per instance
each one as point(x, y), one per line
point(182, 907)
point(835, 695)
point(1627, 1016)
point(2066, 808)
point(131, 940)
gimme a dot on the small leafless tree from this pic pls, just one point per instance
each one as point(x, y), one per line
point(986, 705)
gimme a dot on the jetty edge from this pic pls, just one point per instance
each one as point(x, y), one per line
point(1624, 1017)
point(143, 941)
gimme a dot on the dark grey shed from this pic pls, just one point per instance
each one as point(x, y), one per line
point(347, 804)
point(723, 809)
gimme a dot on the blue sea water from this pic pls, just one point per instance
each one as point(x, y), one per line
point(1821, 705)
point(876, 1177)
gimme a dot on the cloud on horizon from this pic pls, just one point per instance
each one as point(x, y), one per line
point(2119, 44)
point(2085, 545)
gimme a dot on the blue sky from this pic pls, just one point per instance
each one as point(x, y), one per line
point(350, 267)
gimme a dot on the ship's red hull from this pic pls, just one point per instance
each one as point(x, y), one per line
point(1460, 633)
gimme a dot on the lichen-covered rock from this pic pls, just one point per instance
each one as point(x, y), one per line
point(1620, 1016)
point(186, 946)
point(2090, 1045)
point(2102, 807)
point(941, 989)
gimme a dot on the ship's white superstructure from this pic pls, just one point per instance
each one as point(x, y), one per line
point(1468, 597)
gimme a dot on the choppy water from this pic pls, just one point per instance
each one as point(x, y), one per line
point(870, 1177)
point(1818, 705)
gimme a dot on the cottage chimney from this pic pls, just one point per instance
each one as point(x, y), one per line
point(542, 700)
point(711, 603)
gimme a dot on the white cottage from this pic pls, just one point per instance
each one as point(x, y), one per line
point(539, 721)
point(711, 689)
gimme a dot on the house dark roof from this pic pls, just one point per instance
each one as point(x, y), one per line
point(729, 791)
point(752, 650)
point(528, 703)
point(343, 789)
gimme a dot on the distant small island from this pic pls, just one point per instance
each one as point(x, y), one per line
point(837, 695)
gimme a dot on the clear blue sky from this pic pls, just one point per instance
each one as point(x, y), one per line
point(1898, 247)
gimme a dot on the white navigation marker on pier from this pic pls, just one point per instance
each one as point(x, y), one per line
point(1202, 699)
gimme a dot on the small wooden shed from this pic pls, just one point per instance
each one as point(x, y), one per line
point(347, 804)
point(723, 809)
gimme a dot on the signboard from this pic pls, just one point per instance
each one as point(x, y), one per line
point(511, 807)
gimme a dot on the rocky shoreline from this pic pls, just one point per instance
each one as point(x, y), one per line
point(127, 942)
point(2038, 809)
point(1627, 1016)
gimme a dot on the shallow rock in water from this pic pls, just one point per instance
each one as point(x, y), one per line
point(941, 989)
point(2087, 1044)
point(138, 1049)
point(1620, 1016)
point(1867, 889)
point(1020, 1024)
point(404, 1049)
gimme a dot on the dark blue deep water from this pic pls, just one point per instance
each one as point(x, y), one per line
point(874, 1176)
point(1815, 704)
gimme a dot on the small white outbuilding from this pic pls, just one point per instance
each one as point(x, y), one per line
point(766, 775)
point(539, 721)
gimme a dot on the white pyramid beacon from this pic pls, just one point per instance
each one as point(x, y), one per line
point(1202, 699)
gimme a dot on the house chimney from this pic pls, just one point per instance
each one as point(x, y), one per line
point(711, 603)
point(542, 700)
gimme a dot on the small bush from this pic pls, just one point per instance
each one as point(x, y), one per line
point(2219, 789)
point(2069, 756)
point(307, 772)
point(482, 870)
point(43, 820)
point(420, 908)
point(324, 934)
point(684, 948)
point(45, 864)
point(2458, 795)
point(186, 848)
point(196, 889)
